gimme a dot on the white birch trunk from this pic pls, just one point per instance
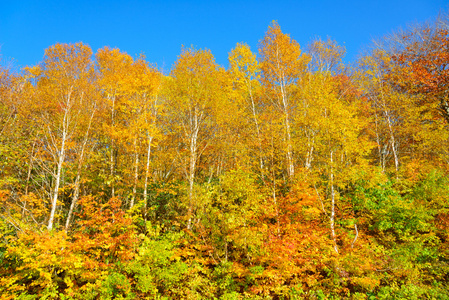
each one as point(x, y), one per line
point(332, 216)
point(78, 174)
point(136, 174)
point(285, 106)
point(147, 172)
point(253, 108)
point(61, 158)
point(192, 168)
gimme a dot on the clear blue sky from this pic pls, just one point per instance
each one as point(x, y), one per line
point(159, 28)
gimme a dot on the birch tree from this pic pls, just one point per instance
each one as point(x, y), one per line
point(62, 84)
point(282, 65)
point(244, 70)
point(193, 93)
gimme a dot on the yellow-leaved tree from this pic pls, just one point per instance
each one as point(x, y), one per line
point(282, 65)
point(193, 95)
point(63, 100)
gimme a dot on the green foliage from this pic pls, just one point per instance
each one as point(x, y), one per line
point(158, 257)
point(116, 286)
point(224, 280)
point(403, 218)
point(163, 203)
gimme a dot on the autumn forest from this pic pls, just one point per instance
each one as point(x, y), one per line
point(286, 175)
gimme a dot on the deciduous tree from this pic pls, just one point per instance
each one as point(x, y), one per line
point(282, 65)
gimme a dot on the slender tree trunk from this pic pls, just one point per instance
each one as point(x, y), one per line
point(273, 175)
point(285, 106)
point(136, 173)
point(27, 183)
point(61, 158)
point(390, 128)
point(78, 174)
point(309, 154)
point(147, 172)
point(290, 163)
point(150, 138)
point(379, 146)
point(76, 191)
point(192, 166)
point(30, 168)
point(253, 108)
point(332, 216)
point(112, 162)
point(392, 141)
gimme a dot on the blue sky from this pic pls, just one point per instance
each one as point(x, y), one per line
point(158, 29)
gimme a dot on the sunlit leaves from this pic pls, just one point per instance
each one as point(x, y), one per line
point(287, 175)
